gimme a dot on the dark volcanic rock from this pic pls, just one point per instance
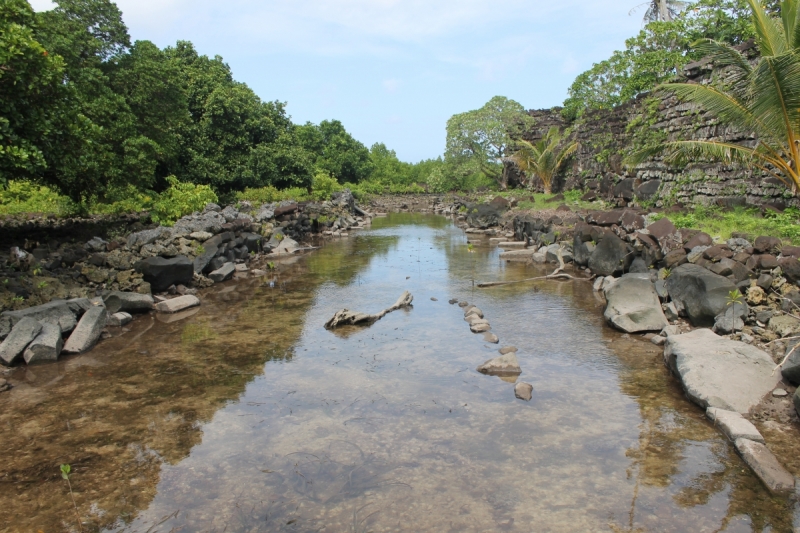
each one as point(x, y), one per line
point(700, 292)
point(767, 245)
point(612, 255)
point(161, 272)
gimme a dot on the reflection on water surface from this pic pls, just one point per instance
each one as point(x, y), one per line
point(248, 416)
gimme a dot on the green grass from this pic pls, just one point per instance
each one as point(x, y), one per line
point(722, 223)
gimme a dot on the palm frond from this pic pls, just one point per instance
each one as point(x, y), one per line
point(776, 95)
point(770, 36)
point(724, 106)
point(725, 56)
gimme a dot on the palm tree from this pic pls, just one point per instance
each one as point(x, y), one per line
point(661, 10)
point(763, 99)
point(542, 158)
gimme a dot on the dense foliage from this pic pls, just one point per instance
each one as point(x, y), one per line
point(106, 121)
point(657, 54)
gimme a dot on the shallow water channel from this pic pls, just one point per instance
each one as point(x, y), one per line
point(249, 416)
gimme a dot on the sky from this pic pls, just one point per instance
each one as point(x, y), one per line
point(393, 71)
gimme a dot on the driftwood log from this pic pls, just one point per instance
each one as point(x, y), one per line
point(354, 318)
point(558, 273)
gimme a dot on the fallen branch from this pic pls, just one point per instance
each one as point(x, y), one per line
point(785, 358)
point(353, 318)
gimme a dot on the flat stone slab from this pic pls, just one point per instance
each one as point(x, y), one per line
point(118, 320)
point(24, 332)
point(480, 328)
point(765, 465)
point(719, 372)
point(491, 338)
point(473, 311)
point(88, 330)
point(512, 244)
point(175, 305)
point(223, 273)
point(505, 365)
point(55, 312)
point(733, 424)
point(522, 256)
point(46, 347)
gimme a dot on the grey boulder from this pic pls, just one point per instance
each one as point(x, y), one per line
point(699, 292)
point(87, 331)
point(20, 337)
point(612, 255)
point(178, 304)
point(633, 305)
point(46, 347)
point(719, 372)
point(765, 465)
point(55, 312)
point(128, 302)
point(523, 391)
point(733, 424)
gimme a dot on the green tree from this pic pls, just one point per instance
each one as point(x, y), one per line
point(657, 54)
point(478, 140)
point(763, 99)
point(387, 168)
point(30, 87)
point(542, 158)
point(336, 151)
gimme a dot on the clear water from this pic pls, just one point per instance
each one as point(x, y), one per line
point(249, 416)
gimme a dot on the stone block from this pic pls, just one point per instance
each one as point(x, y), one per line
point(23, 333)
point(178, 304)
point(46, 347)
point(88, 330)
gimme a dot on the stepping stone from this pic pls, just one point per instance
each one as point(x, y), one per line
point(463, 304)
point(521, 256)
point(118, 320)
point(512, 244)
point(505, 365)
point(480, 328)
point(523, 391)
point(491, 337)
point(473, 311)
point(508, 349)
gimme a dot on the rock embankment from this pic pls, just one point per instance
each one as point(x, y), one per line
point(85, 287)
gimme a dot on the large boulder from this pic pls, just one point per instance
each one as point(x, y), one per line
point(718, 372)
point(161, 272)
point(88, 330)
point(505, 365)
point(483, 216)
point(611, 256)
point(20, 337)
point(699, 292)
point(633, 305)
point(57, 312)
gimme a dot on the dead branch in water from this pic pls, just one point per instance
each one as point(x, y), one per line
point(558, 273)
point(352, 318)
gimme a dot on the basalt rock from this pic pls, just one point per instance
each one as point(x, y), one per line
point(161, 272)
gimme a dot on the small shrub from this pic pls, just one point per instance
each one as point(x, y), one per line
point(179, 200)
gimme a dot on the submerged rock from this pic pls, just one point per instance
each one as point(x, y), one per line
point(765, 465)
point(491, 337)
point(505, 365)
point(88, 331)
point(719, 372)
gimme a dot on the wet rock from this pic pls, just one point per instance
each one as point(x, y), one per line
point(780, 393)
point(223, 273)
point(719, 372)
point(701, 293)
point(505, 365)
point(129, 302)
point(612, 255)
point(518, 256)
point(658, 340)
point(434, 299)
point(670, 311)
point(46, 347)
point(178, 304)
point(765, 466)
point(733, 424)
point(507, 349)
point(491, 338)
point(523, 391)
point(463, 304)
point(119, 319)
point(55, 312)
point(88, 330)
point(453, 301)
point(633, 305)
point(161, 272)
point(473, 311)
point(23, 333)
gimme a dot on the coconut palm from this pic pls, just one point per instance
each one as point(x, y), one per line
point(661, 10)
point(761, 98)
point(542, 158)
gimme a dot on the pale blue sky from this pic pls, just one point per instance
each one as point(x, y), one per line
point(393, 71)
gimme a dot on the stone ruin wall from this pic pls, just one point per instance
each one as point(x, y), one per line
point(605, 137)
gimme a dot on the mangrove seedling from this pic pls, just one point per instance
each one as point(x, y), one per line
point(65, 471)
point(42, 285)
point(470, 248)
point(734, 297)
point(271, 265)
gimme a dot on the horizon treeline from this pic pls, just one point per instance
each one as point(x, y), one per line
point(95, 116)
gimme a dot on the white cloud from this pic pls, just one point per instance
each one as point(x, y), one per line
point(42, 5)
